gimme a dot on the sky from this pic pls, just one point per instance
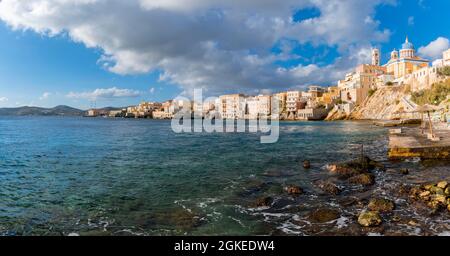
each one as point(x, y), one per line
point(98, 53)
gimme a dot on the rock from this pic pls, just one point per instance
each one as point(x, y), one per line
point(381, 205)
point(404, 171)
point(440, 199)
point(329, 187)
point(413, 223)
point(264, 202)
point(434, 205)
point(353, 168)
point(306, 164)
point(447, 191)
point(414, 193)
point(437, 190)
point(425, 194)
point(428, 186)
point(448, 207)
point(442, 184)
point(379, 166)
point(365, 179)
point(294, 190)
point(324, 215)
point(396, 218)
point(369, 219)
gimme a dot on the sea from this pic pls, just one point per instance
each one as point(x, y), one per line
point(99, 176)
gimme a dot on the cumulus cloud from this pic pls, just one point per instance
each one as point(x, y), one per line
point(218, 45)
point(109, 93)
point(45, 96)
point(3, 99)
point(434, 49)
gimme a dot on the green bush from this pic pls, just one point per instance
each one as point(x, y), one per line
point(435, 95)
point(372, 92)
point(445, 71)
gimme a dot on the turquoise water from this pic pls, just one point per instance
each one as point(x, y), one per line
point(120, 177)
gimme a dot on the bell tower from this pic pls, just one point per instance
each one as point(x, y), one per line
point(376, 58)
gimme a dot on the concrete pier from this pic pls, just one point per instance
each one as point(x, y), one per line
point(412, 143)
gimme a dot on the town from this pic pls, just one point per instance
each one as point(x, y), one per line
point(404, 69)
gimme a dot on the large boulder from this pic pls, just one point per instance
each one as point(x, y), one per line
point(365, 179)
point(324, 215)
point(381, 205)
point(369, 219)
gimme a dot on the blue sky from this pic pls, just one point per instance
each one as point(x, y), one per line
point(159, 52)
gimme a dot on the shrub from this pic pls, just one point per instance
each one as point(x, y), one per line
point(445, 71)
point(389, 84)
point(435, 95)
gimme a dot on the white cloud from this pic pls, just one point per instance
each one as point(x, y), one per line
point(218, 45)
point(3, 99)
point(45, 96)
point(109, 93)
point(435, 49)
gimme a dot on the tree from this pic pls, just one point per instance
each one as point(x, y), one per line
point(445, 71)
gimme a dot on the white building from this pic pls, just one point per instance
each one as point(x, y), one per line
point(446, 56)
point(292, 100)
point(232, 106)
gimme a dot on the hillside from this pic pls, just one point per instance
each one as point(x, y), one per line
point(36, 111)
point(383, 104)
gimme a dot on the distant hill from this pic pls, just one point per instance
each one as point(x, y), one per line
point(36, 111)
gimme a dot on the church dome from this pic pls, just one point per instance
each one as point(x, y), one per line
point(407, 45)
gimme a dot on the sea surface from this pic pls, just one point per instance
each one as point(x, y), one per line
point(82, 176)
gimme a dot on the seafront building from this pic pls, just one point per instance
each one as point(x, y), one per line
point(232, 106)
point(403, 68)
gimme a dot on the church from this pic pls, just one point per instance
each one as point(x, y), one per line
point(405, 61)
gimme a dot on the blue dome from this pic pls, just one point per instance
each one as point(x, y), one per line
point(407, 45)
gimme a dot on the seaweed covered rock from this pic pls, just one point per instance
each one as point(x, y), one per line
point(434, 195)
point(328, 187)
point(381, 205)
point(324, 215)
point(365, 179)
point(354, 167)
point(369, 219)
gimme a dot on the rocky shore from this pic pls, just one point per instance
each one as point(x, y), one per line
point(363, 203)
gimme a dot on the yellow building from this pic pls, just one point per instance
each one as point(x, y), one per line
point(330, 96)
point(282, 101)
point(405, 62)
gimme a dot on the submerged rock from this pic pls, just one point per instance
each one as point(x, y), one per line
point(264, 201)
point(365, 179)
point(294, 190)
point(306, 164)
point(381, 205)
point(328, 187)
point(324, 215)
point(404, 171)
point(369, 219)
